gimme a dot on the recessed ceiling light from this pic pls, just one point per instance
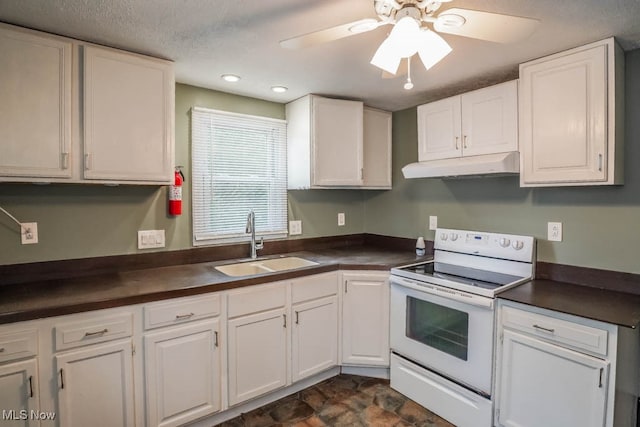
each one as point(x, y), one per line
point(232, 78)
point(279, 89)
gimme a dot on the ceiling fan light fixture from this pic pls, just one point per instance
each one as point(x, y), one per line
point(231, 78)
point(386, 57)
point(433, 48)
point(279, 89)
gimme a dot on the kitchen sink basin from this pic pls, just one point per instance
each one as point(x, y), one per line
point(264, 266)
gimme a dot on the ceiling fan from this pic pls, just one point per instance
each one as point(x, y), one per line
point(411, 33)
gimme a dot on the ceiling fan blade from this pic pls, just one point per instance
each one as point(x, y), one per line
point(494, 27)
point(330, 34)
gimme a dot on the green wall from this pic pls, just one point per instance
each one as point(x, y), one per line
point(601, 225)
point(79, 221)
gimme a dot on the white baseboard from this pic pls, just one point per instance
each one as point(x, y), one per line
point(367, 371)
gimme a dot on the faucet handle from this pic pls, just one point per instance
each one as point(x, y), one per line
point(261, 244)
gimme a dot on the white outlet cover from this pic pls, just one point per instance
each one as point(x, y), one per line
point(554, 231)
point(341, 221)
point(29, 233)
point(433, 222)
point(295, 228)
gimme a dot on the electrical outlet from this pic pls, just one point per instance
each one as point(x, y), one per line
point(341, 219)
point(554, 231)
point(295, 228)
point(29, 232)
point(433, 222)
point(148, 239)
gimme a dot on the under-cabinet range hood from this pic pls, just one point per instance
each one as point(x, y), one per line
point(487, 164)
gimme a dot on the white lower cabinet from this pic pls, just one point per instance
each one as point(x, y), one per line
point(182, 366)
point(365, 318)
point(18, 393)
point(258, 336)
point(558, 370)
point(95, 385)
point(315, 325)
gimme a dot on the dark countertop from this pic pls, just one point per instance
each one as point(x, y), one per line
point(618, 308)
point(48, 298)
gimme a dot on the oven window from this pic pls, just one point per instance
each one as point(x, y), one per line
point(438, 326)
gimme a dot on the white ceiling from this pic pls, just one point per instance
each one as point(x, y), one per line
point(207, 38)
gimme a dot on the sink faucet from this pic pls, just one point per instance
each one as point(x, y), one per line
point(251, 228)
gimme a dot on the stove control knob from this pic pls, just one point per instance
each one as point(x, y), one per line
point(518, 244)
point(504, 242)
point(454, 237)
point(444, 236)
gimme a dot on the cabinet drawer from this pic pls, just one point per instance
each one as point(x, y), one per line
point(567, 333)
point(18, 345)
point(255, 299)
point(180, 311)
point(90, 331)
point(314, 287)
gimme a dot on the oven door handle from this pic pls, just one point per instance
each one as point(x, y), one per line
point(444, 292)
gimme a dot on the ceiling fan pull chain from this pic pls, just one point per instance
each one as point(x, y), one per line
point(408, 85)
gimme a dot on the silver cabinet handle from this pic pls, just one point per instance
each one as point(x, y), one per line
point(600, 380)
point(464, 141)
point(544, 329)
point(65, 160)
point(600, 162)
point(96, 333)
point(61, 379)
point(215, 341)
point(31, 386)
point(184, 316)
point(87, 161)
point(297, 317)
point(284, 316)
point(457, 146)
point(346, 286)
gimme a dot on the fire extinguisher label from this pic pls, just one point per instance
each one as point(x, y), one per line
point(175, 193)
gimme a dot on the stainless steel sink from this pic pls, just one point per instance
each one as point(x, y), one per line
point(264, 266)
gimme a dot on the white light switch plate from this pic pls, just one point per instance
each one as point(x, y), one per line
point(148, 239)
point(341, 219)
point(554, 231)
point(295, 228)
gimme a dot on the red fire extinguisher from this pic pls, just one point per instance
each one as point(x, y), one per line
point(175, 193)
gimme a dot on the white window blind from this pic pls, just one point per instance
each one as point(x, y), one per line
point(239, 163)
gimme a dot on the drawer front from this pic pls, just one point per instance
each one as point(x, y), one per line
point(184, 310)
point(567, 333)
point(18, 345)
point(255, 299)
point(314, 287)
point(91, 331)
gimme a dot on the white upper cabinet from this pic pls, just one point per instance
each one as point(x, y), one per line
point(76, 112)
point(127, 117)
point(571, 117)
point(377, 148)
point(484, 121)
point(35, 112)
point(335, 143)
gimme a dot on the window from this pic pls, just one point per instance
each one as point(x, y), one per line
point(239, 163)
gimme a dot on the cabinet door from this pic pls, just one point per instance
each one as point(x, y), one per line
point(439, 130)
point(35, 112)
point(315, 337)
point(18, 393)
point(182, 373)
point(258, 354)
point(546, 385)
point(128, 110)
point(377, 148)
point(95, 386)
point(365, 319)
point(490, 120)
point(337, 129)
point(563, 103)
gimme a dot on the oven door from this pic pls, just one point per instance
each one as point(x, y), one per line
point(449, 332)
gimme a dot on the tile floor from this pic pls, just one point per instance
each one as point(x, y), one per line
point(345, 400)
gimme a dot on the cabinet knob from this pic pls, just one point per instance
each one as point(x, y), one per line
point(457, 146)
